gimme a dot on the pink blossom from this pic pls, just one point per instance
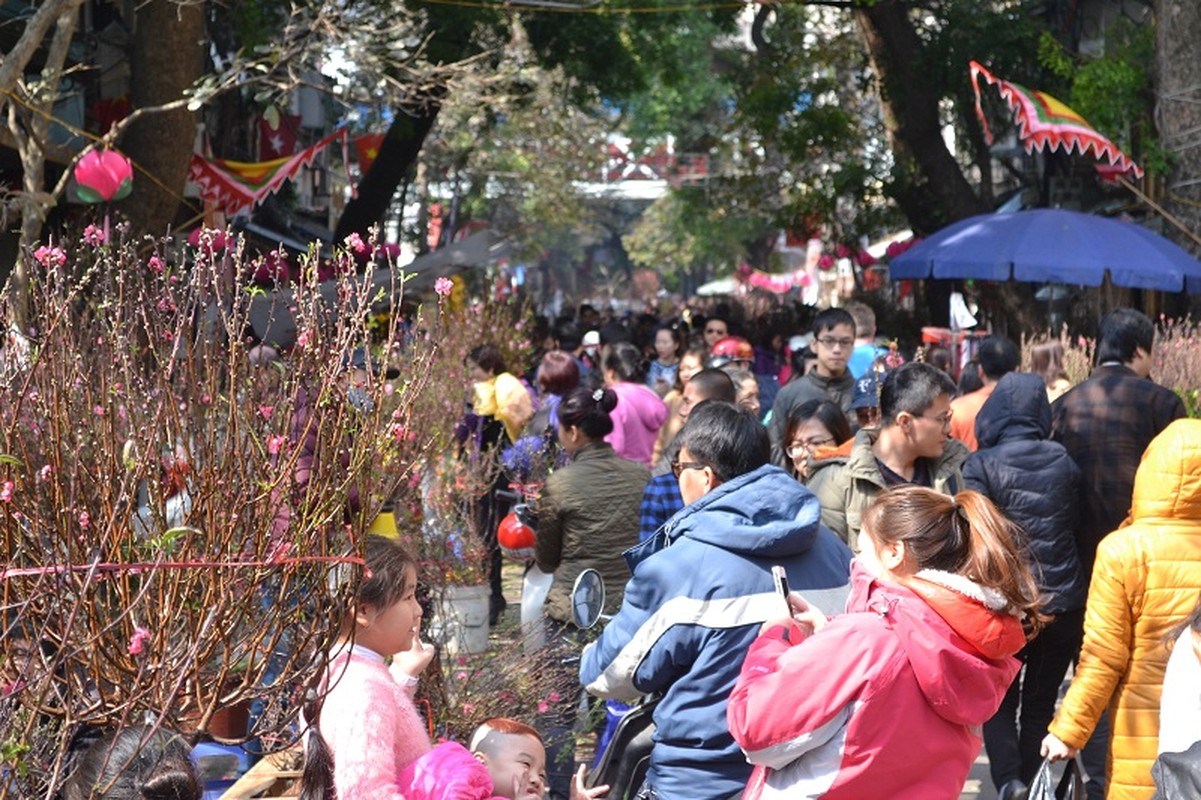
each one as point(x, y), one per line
point(469, 708)
point(266, 411)
point(6, 493)
point(84, 520)
point(206, 399)
point(355, 242)
point(94, 236)
point(274, 444)
point(45, 472)
point(443, 287)
point(138, 640)
point(543, 706)
point(554, 697)
point(460, 676)
point(156, 264)
point(98, 410)
point(50, 256)
point(303, 339)
point(389, 389)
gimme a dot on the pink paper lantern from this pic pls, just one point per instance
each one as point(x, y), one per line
point(103, 175)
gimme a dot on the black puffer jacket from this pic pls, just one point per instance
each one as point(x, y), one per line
point(1033, 481)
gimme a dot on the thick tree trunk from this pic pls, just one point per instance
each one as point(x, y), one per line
point(402, 144)
point(168, 57)
point(1178, 111)
point(928, 184)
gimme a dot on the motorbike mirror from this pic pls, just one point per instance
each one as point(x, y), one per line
point(587, 599)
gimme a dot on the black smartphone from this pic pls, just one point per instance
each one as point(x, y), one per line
point(780, 578)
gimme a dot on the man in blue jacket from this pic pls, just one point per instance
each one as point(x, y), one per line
point(699, 591)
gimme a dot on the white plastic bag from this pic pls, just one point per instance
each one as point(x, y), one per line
point(534, 589)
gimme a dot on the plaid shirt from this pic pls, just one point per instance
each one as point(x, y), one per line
point(1106, 423)
point(660, 501)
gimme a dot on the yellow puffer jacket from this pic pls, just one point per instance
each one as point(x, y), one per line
point(1146, 579)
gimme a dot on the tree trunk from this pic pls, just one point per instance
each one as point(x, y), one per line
point(1178, 111)
point(399, 151)
point(167, 58)
point(928, 184)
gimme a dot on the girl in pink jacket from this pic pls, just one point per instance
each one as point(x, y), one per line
point(888, 699)
point(364, 729)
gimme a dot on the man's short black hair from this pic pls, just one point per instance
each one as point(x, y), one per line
point(729, 440)
point(568, 335)
point(998, 356)
point(714, 384)
point(1121, 332)
point(830, 318)
point(912, 387)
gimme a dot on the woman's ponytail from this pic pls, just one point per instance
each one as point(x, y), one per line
point(994, 558)
point(964, 534)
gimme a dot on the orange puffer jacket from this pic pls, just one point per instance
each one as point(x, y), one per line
point(1146, 579)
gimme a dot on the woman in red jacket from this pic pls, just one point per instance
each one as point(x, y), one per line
point(891, 695)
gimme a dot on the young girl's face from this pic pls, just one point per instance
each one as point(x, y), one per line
point(689, 366)
point(392, 629)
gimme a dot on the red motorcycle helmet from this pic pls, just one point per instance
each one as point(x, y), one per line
point(516, 539)
point(735, 347)
point(731, 348)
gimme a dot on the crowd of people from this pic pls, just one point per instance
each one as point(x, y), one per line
point(957, 546)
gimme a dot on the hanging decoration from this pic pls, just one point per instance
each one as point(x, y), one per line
point(774, 283)
point(236, 185)
point(103, 176)
point(1045, 123)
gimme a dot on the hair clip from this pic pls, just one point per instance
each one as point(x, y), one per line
point(597, 395)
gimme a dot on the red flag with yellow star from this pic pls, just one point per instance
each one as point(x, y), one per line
point(367, 147)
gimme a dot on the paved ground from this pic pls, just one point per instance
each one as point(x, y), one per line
point(978, 786)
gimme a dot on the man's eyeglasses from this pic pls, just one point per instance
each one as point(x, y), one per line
point(678, 467)
point(942, 419)
point(832, 342)
point(797, 449)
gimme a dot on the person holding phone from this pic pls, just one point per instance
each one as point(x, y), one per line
point(892, 693)
point(701, 586)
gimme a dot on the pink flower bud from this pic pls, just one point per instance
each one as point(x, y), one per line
point(138, 640)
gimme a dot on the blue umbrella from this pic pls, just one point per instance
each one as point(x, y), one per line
point(1050, 245)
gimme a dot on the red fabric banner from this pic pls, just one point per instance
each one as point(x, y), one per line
point(235, 185)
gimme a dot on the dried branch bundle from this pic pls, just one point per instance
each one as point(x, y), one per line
point(176, 519)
